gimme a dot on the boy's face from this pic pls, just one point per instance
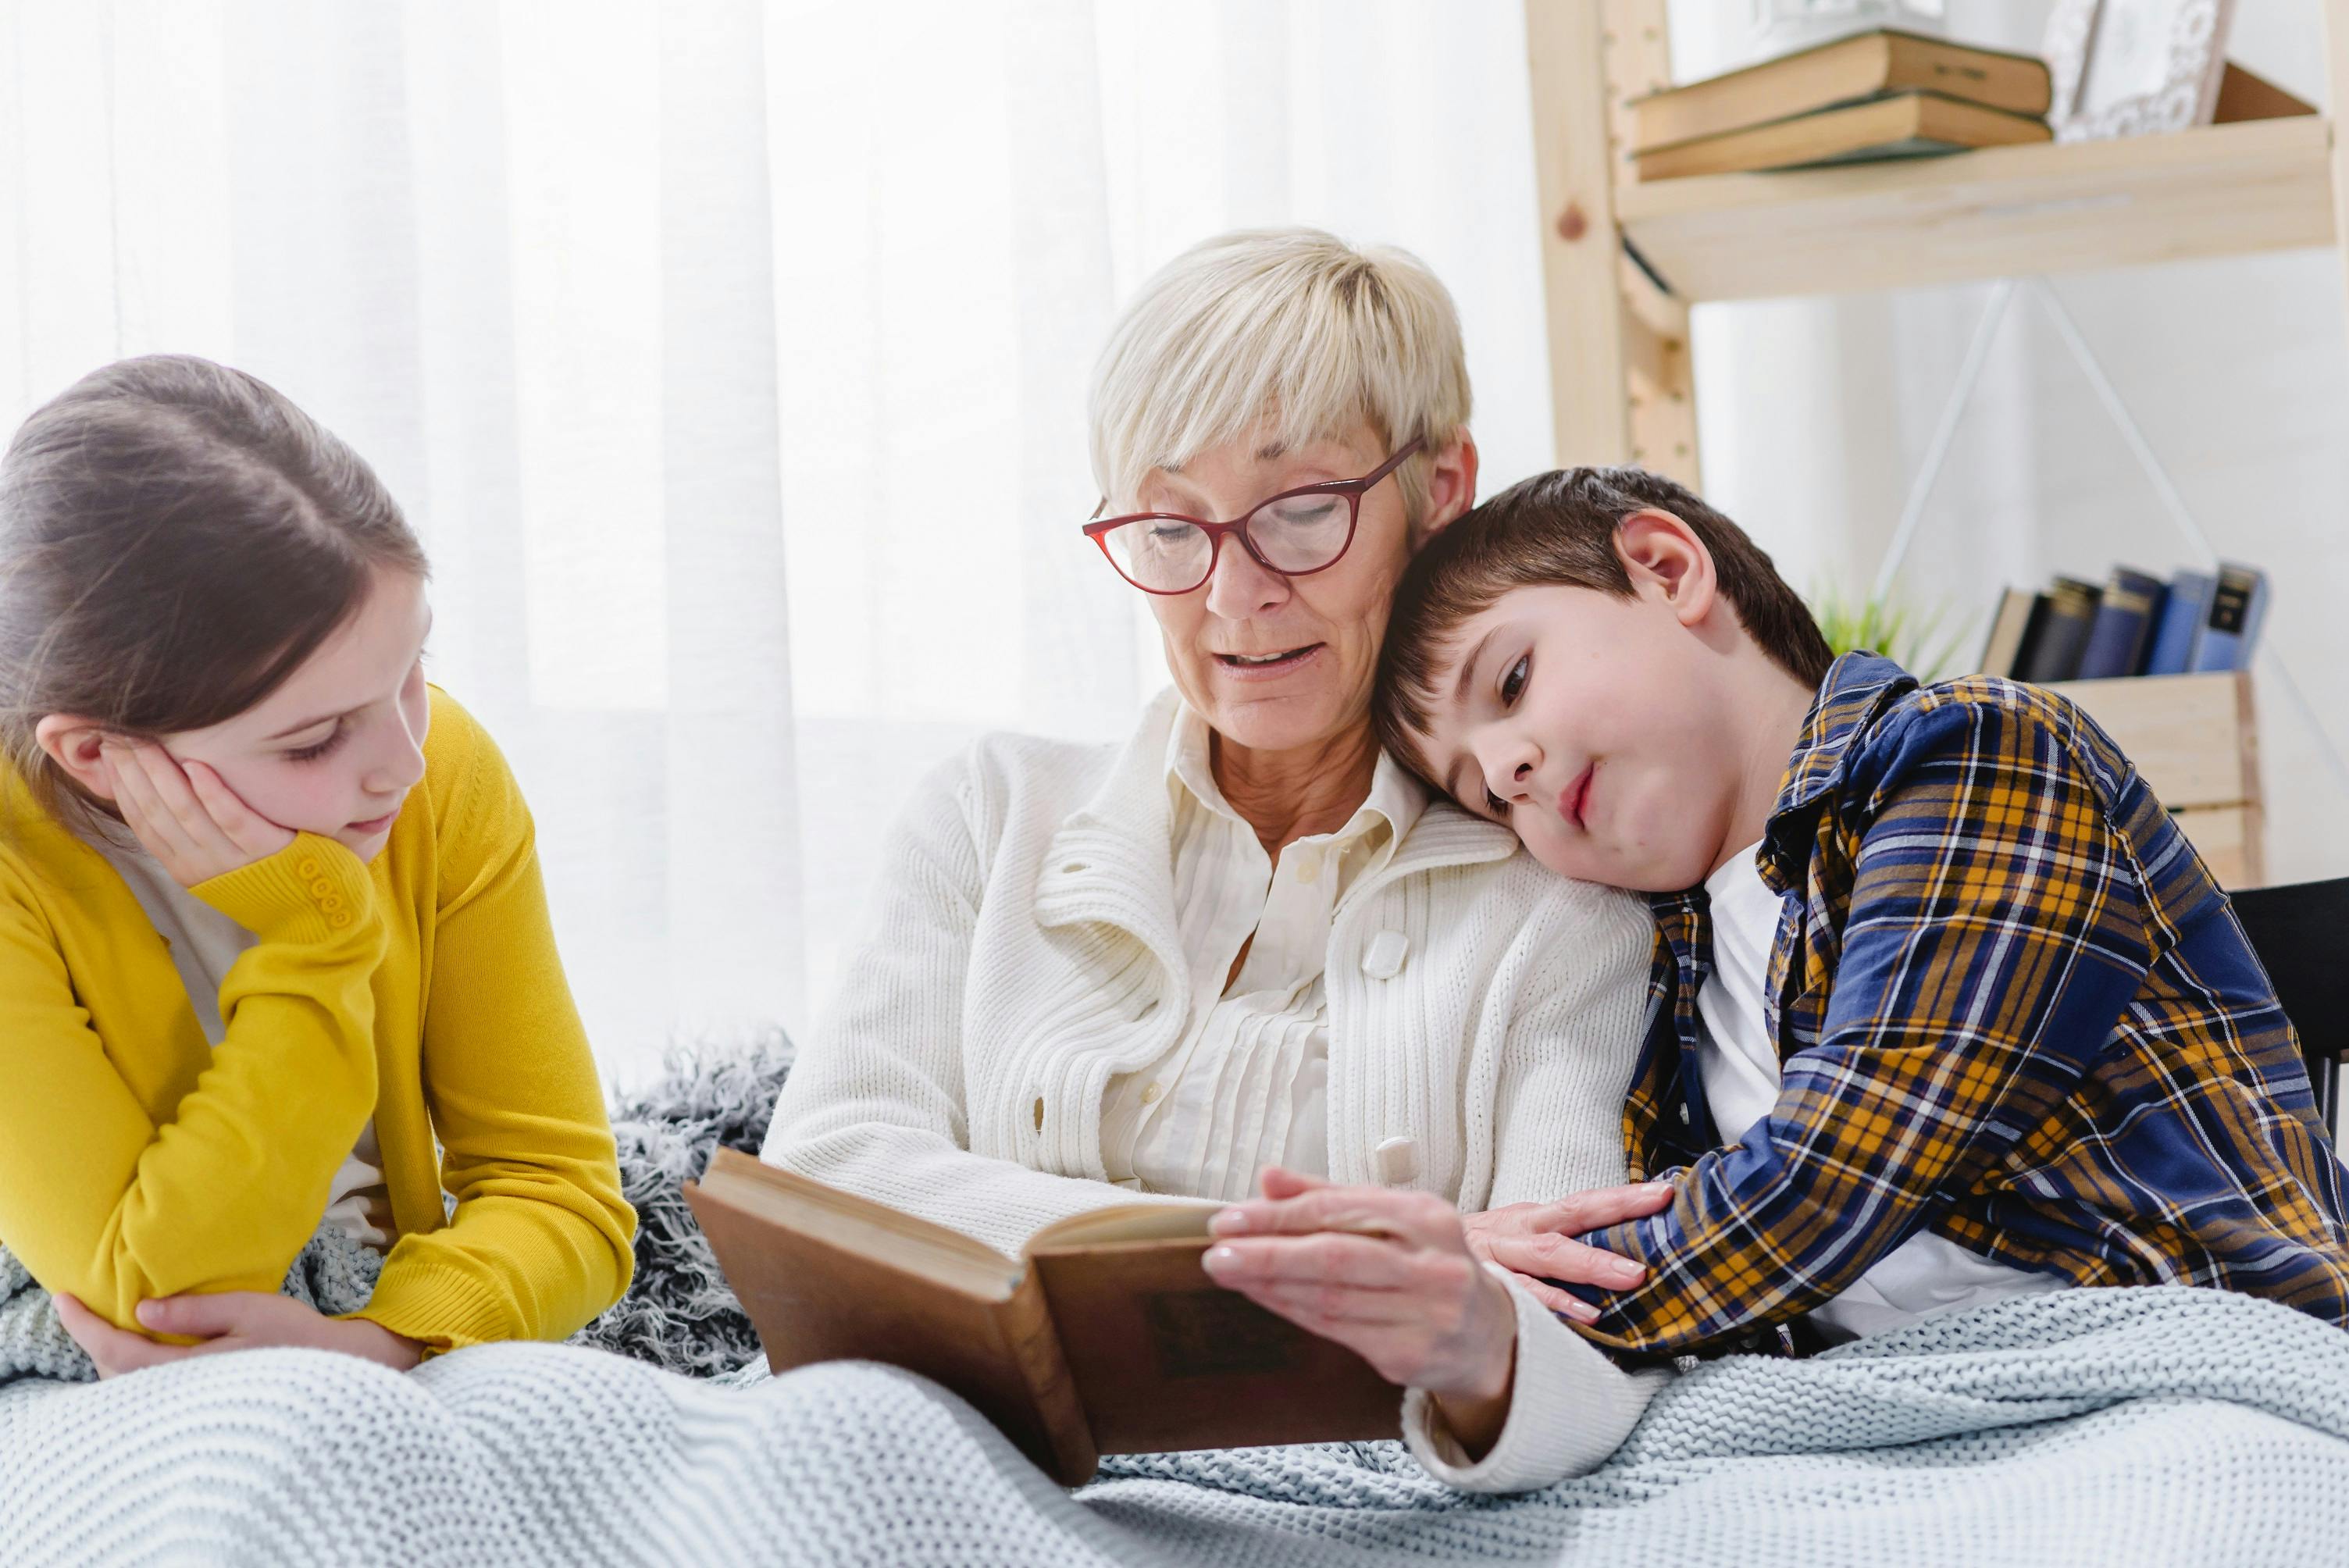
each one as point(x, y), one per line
point(1598, 727)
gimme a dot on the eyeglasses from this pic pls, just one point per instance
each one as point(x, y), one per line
point(1295, 533)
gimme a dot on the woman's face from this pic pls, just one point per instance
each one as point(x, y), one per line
point(1275, 663)
point(334, 750)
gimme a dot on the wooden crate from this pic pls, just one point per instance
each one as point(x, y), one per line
point(2195, 740)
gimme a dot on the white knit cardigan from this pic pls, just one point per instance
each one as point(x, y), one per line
point(1023, 950)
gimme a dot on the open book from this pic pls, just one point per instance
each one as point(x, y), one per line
point(1105, 1336)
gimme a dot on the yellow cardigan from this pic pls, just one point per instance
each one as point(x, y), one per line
point(423, 989)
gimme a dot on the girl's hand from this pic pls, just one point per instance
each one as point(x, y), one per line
point(1535, 1241)
point(187, 818)
point(1389, 1276)
point(229, 1320)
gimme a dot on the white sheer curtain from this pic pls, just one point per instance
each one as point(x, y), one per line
point(731, 358)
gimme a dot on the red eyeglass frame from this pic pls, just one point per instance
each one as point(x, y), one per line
point(1098, 530)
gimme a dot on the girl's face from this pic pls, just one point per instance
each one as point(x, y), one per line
point(336, 749)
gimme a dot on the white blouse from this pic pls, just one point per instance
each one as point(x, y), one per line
point(1244, 1083)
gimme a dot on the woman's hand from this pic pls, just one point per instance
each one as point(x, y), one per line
point(229, 1320)
point(1535, 1242)
point(1387, 1274)
point(184, 816)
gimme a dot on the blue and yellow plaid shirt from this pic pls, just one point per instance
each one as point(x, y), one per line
point(2012, 1008)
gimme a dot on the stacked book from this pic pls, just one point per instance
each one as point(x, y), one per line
point(2133, 625)
point(1876, 95)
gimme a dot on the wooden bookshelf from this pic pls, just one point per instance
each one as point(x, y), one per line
point(1622, 385)
point(2222, 190)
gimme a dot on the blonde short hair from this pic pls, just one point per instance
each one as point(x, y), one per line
point(1292, 327)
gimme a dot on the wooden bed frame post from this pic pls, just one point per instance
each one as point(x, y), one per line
point(1620, 385)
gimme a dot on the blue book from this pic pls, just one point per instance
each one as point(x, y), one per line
point(2171, 650)
point(2124, 617)
point(2231, 629)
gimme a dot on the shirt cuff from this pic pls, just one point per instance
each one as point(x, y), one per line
point(1569, 1407)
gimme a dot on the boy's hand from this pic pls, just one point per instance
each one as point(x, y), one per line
point(1535, 1242)
point(193, 824)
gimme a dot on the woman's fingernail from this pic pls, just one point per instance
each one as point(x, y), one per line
point(1219, 1259)
point(1626, 1270)
point(150, 1312)
point(1229, 1222)
point(1581, 1311)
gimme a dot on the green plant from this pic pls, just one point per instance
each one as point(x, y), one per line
point(1914, 639)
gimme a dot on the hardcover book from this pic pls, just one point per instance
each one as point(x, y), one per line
point(1899, 125)
point(2175, 635)
point(2125, 617)
point(1104, 1335)
point(2070, 612)
point(1864, 65)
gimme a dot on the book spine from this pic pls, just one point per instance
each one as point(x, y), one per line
point(2034, 629)
point(2123, 615)
point(1029, 1336)
point(2071, 614)
point(2238, 606)
point(2171, 651)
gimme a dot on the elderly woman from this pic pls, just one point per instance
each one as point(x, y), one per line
point(1245, 944)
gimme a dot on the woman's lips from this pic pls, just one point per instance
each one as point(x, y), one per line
point(1576, 799)
point(376, 824)
point(1245, 667)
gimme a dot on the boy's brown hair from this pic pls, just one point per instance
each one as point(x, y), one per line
point(1558, 528)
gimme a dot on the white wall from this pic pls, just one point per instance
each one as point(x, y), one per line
point(1815, 414)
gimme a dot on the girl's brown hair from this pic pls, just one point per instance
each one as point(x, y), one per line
point(176, 537)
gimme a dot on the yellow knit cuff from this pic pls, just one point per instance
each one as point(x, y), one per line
point(313, 890)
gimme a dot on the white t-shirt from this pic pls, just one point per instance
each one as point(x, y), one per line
point(204, 942)
point(1738, 1065)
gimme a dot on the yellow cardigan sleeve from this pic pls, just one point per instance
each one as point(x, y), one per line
point(98, 1200)
point(541, 1239)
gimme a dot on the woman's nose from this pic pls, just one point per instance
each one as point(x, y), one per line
point(1238, 587)
point(400, 763)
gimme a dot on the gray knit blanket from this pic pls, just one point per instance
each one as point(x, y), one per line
point(2126, 1425)
point(2154, 1425)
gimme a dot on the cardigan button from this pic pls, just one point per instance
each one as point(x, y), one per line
point(1397, 1160)
point(1383, 959)
point(306, 867)
point(1040, 1113)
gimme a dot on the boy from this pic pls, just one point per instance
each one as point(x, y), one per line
point(1944, 1007)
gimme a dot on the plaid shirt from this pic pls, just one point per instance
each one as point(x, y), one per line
point(2011, 1007)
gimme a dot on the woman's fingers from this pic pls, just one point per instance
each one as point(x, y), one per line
point(1421, 1218)
point(1358, 1262)
point(1563, 1258)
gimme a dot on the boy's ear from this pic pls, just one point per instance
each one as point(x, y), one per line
point(1451, 485)
point(1666, 562)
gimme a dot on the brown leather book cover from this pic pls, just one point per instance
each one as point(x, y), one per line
point(1106, 1337)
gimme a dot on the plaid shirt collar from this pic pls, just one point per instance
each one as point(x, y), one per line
point(1858, 688)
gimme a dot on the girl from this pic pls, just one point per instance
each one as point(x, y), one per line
point(270, 924)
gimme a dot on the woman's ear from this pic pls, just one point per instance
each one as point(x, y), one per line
point(75, 744)
point(1451, 485)
point(1667, 561)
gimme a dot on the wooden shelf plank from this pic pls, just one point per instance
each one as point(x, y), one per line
point(2224, 190)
